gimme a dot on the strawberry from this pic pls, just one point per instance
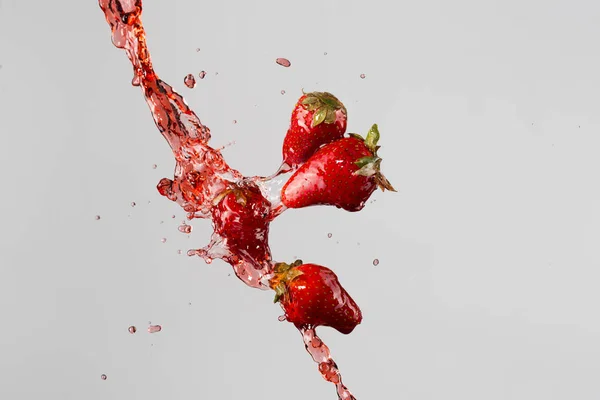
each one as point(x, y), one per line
point(312, 296)
point(318, 118)
point(240, 217)
point(343, 174)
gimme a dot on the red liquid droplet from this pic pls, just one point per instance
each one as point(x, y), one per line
point(103, 377)
point(132, 329)
point(164, 240)
point(283, 92)
point(154, 166)
point(97, 218)
point(329, 235)
point(179, 252)
point(185, 228)
point(154, 328)
point(190, 81)
point(281, 318)
point(235, 121)
point(284, 62)
point(133, 204)
point(202, 74)
point(376, 262)
point(198, 49)
point(362, 76)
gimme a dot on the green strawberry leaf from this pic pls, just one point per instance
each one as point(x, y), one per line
point(309, 100)
point(280, 291)
point(330, 116)
point(372, 137)
point(368, 166)
point(319, 116)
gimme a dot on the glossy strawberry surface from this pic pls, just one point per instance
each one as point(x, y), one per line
point(311, 295)
point(317, 119)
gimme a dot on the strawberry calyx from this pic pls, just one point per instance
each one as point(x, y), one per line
point(240, 197)
point(284, 274)
point(371, 165)
point(325, 105)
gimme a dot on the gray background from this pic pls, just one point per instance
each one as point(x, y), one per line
point(487, 286)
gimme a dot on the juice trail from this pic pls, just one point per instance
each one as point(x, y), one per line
point(203, 184)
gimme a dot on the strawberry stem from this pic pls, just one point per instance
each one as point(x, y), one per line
point(371, 165)
point(325, 105)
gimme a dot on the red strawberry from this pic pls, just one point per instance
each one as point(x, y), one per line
point(343, 174)
point(318, 118)
point(312, 296)
point(240, 217)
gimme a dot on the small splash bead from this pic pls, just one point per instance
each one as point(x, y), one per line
point(103, 377)
point(164, 240)
point(362, 76)
point(376, 262)
point(189, 81)
point(185, 228)
point(284, 62)
point(329, 235)
point(97, 218)
point(154, 328)
point(132, 329)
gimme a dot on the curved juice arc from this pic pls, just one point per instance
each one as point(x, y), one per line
point(201, 172)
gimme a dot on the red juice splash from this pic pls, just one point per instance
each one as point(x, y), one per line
point(202, 176)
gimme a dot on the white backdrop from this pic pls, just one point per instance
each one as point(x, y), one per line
point(487, 286)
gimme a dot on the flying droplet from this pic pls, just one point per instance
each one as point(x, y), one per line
point(164, 240)
point(190, 81)
point(173, 216)
point(281, 318)
point(235, 121)
point(154, 328)
point(362, 76)
point(329, 235)
point(202, 74)
point(197, 49)
point(283, 92)
point(103, 377)
point(132, 329)
point(376, 262)
point(97, 218)
point(133, 204)
point(284, 62)
point(185, 228)
point(154, 166)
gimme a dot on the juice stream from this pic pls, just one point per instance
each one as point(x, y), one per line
point(201, 174)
